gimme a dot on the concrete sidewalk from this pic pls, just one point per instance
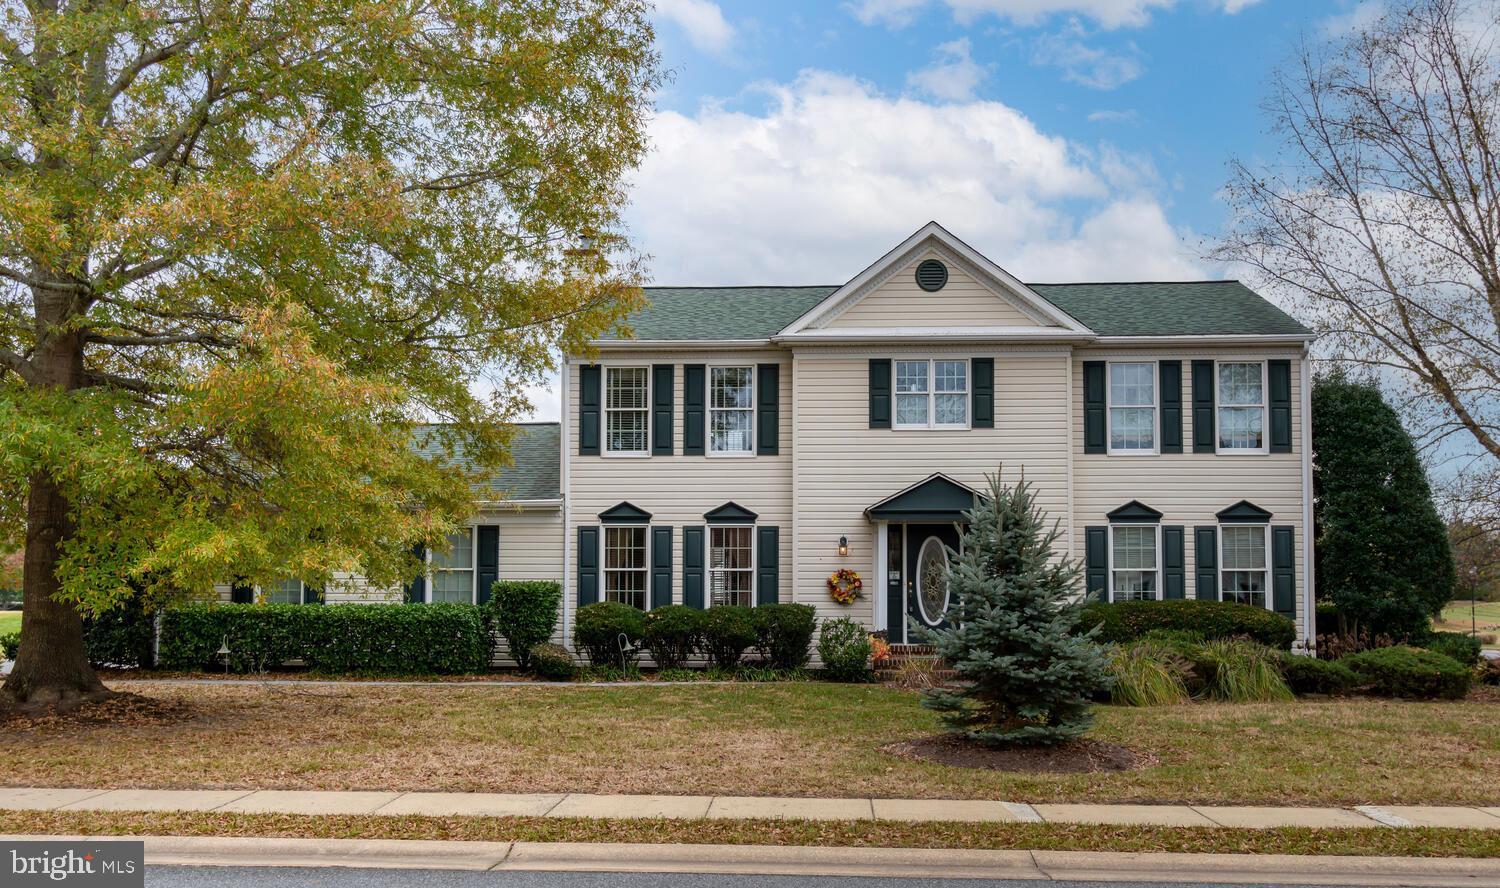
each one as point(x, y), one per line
point(910, 863)
point(483, 804)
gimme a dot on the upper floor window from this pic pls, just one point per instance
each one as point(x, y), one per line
point(731, 410)
point(453, 573)
point(626, 410)
point(625, 564)
point(1243, 575)
point(1132, 408)
point(932, 394)
point(1242, 406)
point(285, 592)
point(731, 567)
point(1135, 565)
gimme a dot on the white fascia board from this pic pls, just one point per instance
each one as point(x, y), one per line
point(928, 334)
point(686, 344)
point(932, 230)
point(1297, 339)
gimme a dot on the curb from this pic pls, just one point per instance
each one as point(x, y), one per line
point(1270, 869)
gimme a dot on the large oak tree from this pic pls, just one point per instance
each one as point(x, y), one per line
point(249, 244)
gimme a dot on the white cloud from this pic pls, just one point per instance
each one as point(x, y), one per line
point(1106, 13)
point(891, 13)
point(1355, 19)
point(832, 173)
point(954, 76)
point(702, 21)
point(1110, 115)
point(1084, 64)
point(1233, 7)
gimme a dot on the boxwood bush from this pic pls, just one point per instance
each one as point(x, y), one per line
point(598, 630)
point(728, 631)
point(1126, 621)
point(1410, 672)
point(844, 648)
point(552, 661)
point(418, 639)
point(784, 633)
point(524, 613)
point(10, 644)
point(1458, 645)
point(673, 634)
point(1309, 675)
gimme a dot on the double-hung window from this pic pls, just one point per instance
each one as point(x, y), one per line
point(1134, 562)
point(625, 564)
point(285, 592)
point(1243, 564)
point(626, 410)
point(453, 573)
point(1132, 408)
point(731, 565)
point(1242, 407)
point(932, 394)
point(731, 410)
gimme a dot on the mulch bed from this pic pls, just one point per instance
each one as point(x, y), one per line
point(118, 709)
point(1078, 757)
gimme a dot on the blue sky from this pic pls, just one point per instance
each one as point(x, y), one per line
point(1065, 139)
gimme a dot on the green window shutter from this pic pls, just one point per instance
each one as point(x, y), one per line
point(1094, 425)
point(415, 591)
point(694, 411)
point(1096, 563)
point(661, 566)
point(983, 392)
point(1206, 562)
point(692, 567)
point(1169, 374)
point(1280, 385)
point(767, 565)
point(661, 409)
point(486, 562)
point(241, 592)
point(880, 393)
point(589, 399)
point(1203, 406)
point(588, 565)
point(1284, 570)
point(767, 409)
point(1173, 562)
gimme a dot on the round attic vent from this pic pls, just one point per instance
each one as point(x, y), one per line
point(932, 275)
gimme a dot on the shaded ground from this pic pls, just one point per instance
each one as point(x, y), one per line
point(801, 739)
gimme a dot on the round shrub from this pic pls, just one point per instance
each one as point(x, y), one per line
point(10, 645)
point(1309, 675)
point(1461, 647)
point(673, 634)
point(784, 633)
point(728, 630)
point(844, 647)
point(1410, 672)
point(524, 613)
point(552, 661)
point(1129, 620)
point(599, 632)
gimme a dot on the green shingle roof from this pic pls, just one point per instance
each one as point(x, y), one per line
point(1113, 309)
point(534, 473)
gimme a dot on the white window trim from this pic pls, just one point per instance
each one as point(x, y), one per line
point(606, 410)
point(1265, 411)
point(259, 593)
point(1156, 534)
point(432, 571)
point(1109, 410)
point(708, 546)
point(708, 413)
point(604, 570)
point(1270, 591)
point(932, 393)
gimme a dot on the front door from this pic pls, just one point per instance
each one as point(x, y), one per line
point(927, 555)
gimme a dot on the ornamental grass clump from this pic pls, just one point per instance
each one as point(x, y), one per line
point(1027, 675)
point(1238, 670)
point(1147, 673)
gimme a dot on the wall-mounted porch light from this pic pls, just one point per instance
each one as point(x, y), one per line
point(843, 545)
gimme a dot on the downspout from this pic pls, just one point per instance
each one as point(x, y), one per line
point(1309, 603)
point(564, 426)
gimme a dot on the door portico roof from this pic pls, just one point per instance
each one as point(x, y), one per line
point(937, 498)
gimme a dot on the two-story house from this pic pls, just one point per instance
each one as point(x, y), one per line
point(746, 442)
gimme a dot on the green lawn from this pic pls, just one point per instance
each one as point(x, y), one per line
point(1457, 617)
point(10, 621)
point(799, 739)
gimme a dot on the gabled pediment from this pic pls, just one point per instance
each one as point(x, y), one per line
point(730, 513)
point(1134, 512)
point(934, 281)
point(1244, 512)
point(935, 498)
point(625, 513)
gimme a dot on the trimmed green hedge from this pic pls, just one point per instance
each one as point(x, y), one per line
point(553, 661)
point(1309, 675)
point(598, 629)
point(524, 613)
point(673, 634)
point(1459, 645)
point(784, 633)
point(1127, 621)
point(1410, 672)
point(419, 639)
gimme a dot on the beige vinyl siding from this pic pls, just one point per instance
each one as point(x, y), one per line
point(843, 466)
point(1190, 488)
point(677, 490)
point(963, 302)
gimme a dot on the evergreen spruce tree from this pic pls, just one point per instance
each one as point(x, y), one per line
point(1029, 676)
point(1383, 554)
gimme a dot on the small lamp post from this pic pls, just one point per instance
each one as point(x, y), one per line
point(223, 653)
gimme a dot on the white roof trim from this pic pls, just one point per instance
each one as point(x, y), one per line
point(1210, 339)
point(679, 343)
point(915, 484)
point(1034, 302)
point(957, 334)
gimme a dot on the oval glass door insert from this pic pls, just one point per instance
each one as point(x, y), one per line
point(932, 581)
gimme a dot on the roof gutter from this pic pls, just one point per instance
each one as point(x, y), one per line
point(608, 344)
point(1297, 339)
point(926, 335)
point(520, 504)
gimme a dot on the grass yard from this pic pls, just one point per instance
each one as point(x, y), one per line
point(10, 621)
point(799, 739)
point(1456, 617)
